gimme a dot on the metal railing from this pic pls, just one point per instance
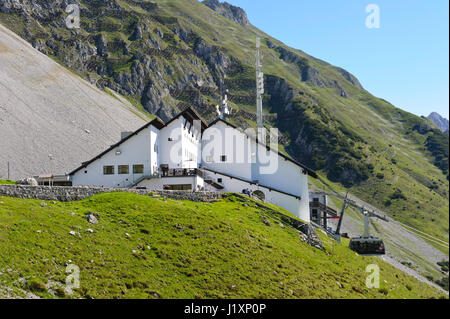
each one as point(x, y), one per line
point(181, 172)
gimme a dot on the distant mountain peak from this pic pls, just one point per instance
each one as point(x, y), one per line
point(440, 121)
point(229, 11)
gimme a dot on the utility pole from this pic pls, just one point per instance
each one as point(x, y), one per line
point(8, 171)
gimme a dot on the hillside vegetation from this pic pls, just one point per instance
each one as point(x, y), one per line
point(166, 54)
point(145, 247)
point(6, 182)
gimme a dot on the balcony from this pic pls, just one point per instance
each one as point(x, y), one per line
point(330, 211)
point(181, 172)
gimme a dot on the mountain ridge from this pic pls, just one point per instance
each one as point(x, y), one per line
point(164, 55)
point(440, 121)
point(229, 11)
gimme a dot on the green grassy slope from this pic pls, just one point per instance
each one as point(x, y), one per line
point(178, 249)
point(6, 182)
point(390, 149)
point(393, 159)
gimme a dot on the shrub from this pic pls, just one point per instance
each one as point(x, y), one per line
point(36, 285)
point(398, 194)
point(443, 282)
point(384, 291)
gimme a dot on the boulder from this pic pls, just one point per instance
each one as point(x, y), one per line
point(29, 181)
point(92, 218)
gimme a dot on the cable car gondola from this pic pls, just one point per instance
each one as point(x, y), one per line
point(363, 245)
point(367, 245)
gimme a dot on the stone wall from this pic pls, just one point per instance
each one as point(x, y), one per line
point(66, 194)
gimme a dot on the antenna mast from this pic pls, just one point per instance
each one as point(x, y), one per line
point(223, 109)
point(259, 85)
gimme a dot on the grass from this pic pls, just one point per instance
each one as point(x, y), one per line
point(7, 182)
point(146, 247)
point(401, 157)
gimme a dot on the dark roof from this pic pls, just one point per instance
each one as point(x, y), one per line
point(310, 172)
point(251, 183)
point(157, 122)
point(190, 114)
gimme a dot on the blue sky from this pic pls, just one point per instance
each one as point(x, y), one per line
point(405, 61)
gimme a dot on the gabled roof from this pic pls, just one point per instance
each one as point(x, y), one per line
point(189, 113)
point(310, 172)
point(157, 122)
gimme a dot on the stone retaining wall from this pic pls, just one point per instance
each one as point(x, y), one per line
point(66, 194)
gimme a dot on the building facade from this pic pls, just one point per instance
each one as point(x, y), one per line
point(320, 212)
point(188, 154)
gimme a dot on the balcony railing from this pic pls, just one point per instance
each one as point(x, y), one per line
point(324, 208)
point(181, 172)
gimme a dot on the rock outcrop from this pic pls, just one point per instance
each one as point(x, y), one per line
point(440, 121)
point(229, 11)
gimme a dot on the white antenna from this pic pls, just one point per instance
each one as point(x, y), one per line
point(259, 85)
point(224, 109)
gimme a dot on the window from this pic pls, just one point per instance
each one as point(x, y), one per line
point(315, 215)
point(124, 169)
point(155, 148)
point(219, 180)
point(209, 159)
point(315, 200)
point(108, 170)
point(186, 187)
point(223, 158)
point(138, 169)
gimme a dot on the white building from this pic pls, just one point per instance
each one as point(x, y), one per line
point(188, 154)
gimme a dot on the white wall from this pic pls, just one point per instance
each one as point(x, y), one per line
point(290, 203)
point(172, 131)
point(191, 146)
point(271, 169)
point(221, 139)
point(136, 150)
point(155, 149)
point(158, 183)
point(184, 149)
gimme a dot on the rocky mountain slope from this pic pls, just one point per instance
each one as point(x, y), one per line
point(165, 54)
point(229, 11)
point(440, 121)
point(50, 119)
